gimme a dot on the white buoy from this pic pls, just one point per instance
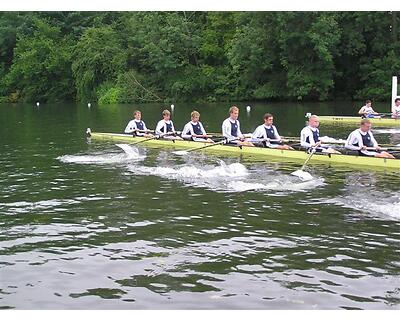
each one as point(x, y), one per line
point(248, 108)
point(89, 104)
point(172, 107)
point(308, 114)
point(37, 104)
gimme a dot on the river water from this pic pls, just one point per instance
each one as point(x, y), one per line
point(85, 225)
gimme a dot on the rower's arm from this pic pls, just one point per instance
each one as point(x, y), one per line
point(351, 140)
point(226, 130)
point(130, 127)
point(373, 140)
point(361, 111)
point(160, 125)
point(239, 133)
point(277, 136)
point(258, 134)
point(304, 134)
point(202, 129)
point(187, 132)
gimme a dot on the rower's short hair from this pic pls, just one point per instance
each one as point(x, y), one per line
point(267, 115)
point(364, 121)
point(368, 101)
point(166, 112)
point(233, 108)
point(136, 111)
point(397, 99)
point(314, 116)
point(195, 114)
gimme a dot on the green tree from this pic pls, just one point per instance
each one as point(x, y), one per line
point(98, 58)
point(41, 65)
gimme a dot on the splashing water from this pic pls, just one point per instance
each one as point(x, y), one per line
point(375, 206)
point(224, 177)
point(360, 194)
point(191, 171)
point(131, 153)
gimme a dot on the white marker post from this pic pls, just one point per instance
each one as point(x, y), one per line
point(394, 91)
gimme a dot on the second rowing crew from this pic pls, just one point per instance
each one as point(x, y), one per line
point(266, 135)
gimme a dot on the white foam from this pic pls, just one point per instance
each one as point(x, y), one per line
point(280, 184)
point(191, 171)
point(234, 177)
point(129, 155)
point(390, 207)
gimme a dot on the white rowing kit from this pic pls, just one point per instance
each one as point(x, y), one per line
point(266, 133)
point(193, 128)
point(357, 139)
point(134, 125)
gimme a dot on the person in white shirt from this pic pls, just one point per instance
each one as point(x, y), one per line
point(309, 137)
point(165, 125)
point(367, 111)
point(396, 109)
point(231, 129)
point(194, 129)
point(268, 135)
point(362, 139)
point(137, 126)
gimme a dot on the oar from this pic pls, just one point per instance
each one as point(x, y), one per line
point(155, 137)
point(183, 152)
point(332, 141)
point(303, 175)
point(144, 131)
point(384, 114)
point(384, 149)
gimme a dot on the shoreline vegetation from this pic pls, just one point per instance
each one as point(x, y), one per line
point(125, 57)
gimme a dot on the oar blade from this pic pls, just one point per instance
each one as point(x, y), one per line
point(126, 147)
point(180, 152)
point(303, 175)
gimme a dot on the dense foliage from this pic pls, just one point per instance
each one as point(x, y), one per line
point(114, 57)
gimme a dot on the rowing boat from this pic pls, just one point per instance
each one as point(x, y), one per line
point(384, 122)
point(255, 151)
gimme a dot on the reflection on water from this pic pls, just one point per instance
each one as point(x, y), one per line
point(97, 226)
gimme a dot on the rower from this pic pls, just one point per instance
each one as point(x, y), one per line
point(194, 129)
point(268, 135)
point(309, 137)
point(231, 129)
point(367, 111)
point(396, 109)
point(362, 139)
point(166, 125)
point(137, 126)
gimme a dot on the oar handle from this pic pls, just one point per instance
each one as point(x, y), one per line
point(156, 137)
point(139, 130)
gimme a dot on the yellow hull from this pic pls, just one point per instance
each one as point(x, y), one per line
point(255, 151)
point(383, 122)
